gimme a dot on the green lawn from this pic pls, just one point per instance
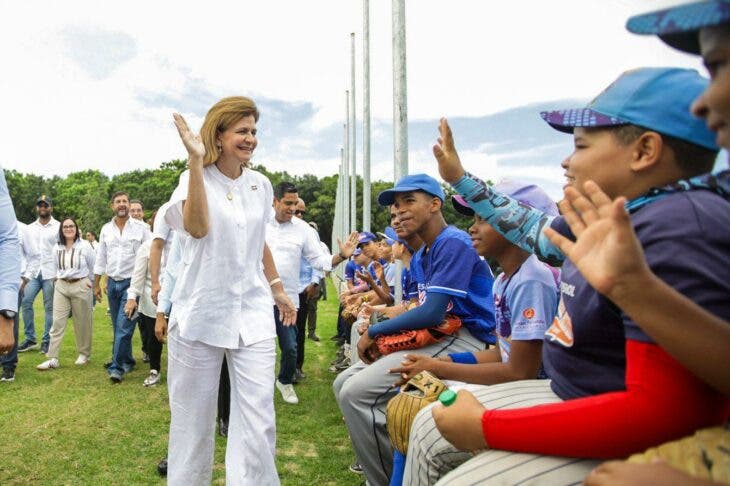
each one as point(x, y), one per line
point(71, 426)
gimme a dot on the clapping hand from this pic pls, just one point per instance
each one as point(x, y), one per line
point(193, 143)
point(348, 247)
point(444, 150)
point(606, 250)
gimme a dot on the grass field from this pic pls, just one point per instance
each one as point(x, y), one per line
point(71, 426)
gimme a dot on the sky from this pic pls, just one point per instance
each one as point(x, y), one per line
point(93, 85)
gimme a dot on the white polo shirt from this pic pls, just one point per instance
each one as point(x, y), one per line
point(221, 296)
point(117, 250)
point(289, 242)
point(46, 236)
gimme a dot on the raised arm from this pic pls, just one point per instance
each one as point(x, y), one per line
point(195, 207)
point(610, 257)
point(520, 224)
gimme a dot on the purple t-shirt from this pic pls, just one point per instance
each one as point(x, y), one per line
point(686, 240)
point(524, 304)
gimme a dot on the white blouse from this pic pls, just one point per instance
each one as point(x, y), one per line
point(221, 296)
point(75, 262)
point(141, 284)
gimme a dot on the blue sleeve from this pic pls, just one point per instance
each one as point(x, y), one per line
point(430, 314)
point(350, 270)
point(519, 223)
point(450, 268)
point(9, 250)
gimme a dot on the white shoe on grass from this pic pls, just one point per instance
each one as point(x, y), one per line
point(82, 360)
point(287, 392)
point(153, 379)
point(48, 364)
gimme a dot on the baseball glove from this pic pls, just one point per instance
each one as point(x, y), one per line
point(419, 338)
point(419, 391)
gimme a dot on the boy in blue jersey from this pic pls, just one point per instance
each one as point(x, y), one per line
point(452, 278)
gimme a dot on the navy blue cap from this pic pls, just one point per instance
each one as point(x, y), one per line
point(658, 99)
point(366, 237)
point(410, 183)
point(679, 26)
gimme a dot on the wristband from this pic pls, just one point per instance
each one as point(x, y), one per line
point(274, 281)
point(342, 257)
point(464, 358)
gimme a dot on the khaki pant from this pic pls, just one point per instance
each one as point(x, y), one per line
point(76, 298)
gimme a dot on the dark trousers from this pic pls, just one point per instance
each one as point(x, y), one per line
point(224, 393)
point(288, 344)
point(301, 329)
point(343, 328)
point(150, 343)
point(10, 360)
point(311, 309)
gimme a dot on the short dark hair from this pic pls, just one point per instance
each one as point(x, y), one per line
point(692, 159)
point(284, 187)
point(119, 193)
point(136, 201)
point(61, 238)
point(92, 232)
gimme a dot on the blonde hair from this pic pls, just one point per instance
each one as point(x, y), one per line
point(219, 118)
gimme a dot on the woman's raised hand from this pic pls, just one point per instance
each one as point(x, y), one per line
point(193, 143)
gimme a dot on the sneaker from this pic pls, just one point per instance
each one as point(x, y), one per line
point(287, 393)
point(356, 468)
point(298, 376)
point(8, 375)
point(44, 348)
point(153, 379)
point(115, 378)
point(48, 364)
point(162, 467)
point(313, 337)
point(81, 360)
point(27, 346)
point(145, 358)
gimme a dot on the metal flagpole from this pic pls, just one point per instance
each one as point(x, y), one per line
point(400, 110)
point(366, 196)
point(353, 139)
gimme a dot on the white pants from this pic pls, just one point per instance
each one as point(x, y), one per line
point(193, 376)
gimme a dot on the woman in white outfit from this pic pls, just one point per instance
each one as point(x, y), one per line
point(222, 303)
point(74, 259)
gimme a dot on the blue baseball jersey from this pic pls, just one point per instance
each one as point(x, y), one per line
point(451, 266)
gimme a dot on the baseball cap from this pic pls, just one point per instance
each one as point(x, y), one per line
point(357, 252)
point(679, 26)
point(529, 194)
point(366, 237)
point(44, 199)
point(409, 183)
point(389, 236)
point(658, 99)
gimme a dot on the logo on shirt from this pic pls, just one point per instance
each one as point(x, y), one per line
point(528, 313)
point(566, 288)
point(254, 188)
point(561, 329)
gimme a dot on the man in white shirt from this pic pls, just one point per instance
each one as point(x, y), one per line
point(136, 211)
point(119, 240)
point(291, 239)
point(45, 232)
point(30, 262)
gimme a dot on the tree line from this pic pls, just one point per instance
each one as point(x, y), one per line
point(86, 195)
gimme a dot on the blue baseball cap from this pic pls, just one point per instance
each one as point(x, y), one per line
point(366, 237)
point(529, 194)
point(357, 252)
point(389, 236)
point(658, 99)
point(410, 183)
point(679, 26)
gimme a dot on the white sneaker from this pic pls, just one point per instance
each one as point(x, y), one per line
point(48, 364)
point(153, 379)
point(287, 392)
point(82, 360)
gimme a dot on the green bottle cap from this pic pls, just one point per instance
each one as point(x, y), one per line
point(447, 397)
